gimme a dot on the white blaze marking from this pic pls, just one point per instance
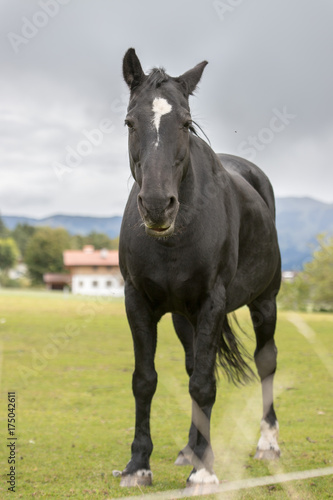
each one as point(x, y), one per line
point(160, 107)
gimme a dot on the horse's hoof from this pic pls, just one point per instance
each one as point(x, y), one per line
point(201, 476)
point(139, 478)
point(183, 459)
point(267, 454)
point(268, 448)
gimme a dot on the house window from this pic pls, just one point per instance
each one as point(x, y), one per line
point(109, 284)
point(81, 284)
point(95, 284)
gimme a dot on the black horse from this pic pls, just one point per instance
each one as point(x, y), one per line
point(198, 239)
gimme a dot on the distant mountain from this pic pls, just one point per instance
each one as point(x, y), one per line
point(74, 224)
point(299, 221)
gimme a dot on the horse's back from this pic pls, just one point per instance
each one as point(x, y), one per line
point(236, 165)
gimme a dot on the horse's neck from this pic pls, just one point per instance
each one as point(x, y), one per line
point(205, 164)
point(205, 173)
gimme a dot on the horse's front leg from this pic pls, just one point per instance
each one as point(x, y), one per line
point(144, 331)
point(203, 383)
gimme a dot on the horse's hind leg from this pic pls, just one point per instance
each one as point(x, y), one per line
point(185, 334)
point(263, 314)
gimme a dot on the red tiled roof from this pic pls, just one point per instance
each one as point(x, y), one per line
point(91, 257)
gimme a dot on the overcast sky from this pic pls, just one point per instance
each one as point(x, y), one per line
point(266, 93)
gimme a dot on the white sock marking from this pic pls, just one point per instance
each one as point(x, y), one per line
point(144, 472)
point(160, 107)
point(202, 476)
point(269, 437)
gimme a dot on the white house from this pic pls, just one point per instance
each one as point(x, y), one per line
point(94, 272)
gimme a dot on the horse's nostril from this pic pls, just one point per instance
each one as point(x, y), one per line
point(172, 202)
point(142, 206)
point(140, 201)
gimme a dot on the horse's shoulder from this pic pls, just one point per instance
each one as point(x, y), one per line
point(252, 174)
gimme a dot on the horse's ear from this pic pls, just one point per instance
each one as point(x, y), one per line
point(191, 78)
point(132, 70)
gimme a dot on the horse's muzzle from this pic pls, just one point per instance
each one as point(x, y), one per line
point(158, 215)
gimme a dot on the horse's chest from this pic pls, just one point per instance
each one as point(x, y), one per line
point(171, 280)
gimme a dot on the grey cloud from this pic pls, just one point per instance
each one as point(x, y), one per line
point(67, 78)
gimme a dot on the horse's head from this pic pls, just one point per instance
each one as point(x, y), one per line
point(159, 123)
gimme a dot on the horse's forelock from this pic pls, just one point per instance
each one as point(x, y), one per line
point(156, 77)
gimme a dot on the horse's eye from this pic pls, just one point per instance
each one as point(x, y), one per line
point(187, 124)
point(129, 124)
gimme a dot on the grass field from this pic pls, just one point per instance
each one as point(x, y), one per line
point(69, 361)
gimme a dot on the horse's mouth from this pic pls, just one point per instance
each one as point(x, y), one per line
point(160, 232)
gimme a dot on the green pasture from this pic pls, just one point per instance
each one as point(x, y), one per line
point(69, 361)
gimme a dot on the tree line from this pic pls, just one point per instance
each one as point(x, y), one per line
point(312, 288)
point(41, 249)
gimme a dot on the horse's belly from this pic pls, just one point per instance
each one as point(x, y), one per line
point(251, 281)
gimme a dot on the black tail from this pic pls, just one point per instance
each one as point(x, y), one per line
point(232, 355)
